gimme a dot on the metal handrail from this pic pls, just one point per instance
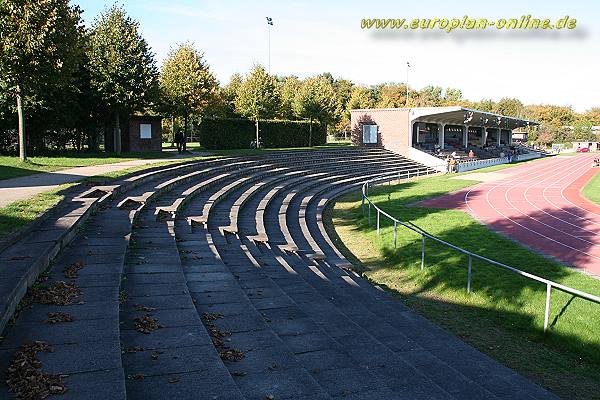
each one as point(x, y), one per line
point(549, 284)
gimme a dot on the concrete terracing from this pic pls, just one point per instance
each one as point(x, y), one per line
point(218, 281)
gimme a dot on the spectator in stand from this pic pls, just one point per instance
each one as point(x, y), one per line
point(510, 157)
point(471, 153)
point(452, 164)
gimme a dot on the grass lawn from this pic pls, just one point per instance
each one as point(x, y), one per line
point(592, 190)
point(18, 214)
point(504, 315)
point(12, 167)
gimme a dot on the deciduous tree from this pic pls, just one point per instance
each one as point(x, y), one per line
point(229, 93)
point(315, 100)
point(40, 48)
point(452, 97)
point(187, 85)
point(510, 107)
point(289, 88)
point(122, 67)
point(258, 97)
point(361, 97)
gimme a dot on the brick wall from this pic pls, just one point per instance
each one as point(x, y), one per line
point(393, 132)
point(132, 140)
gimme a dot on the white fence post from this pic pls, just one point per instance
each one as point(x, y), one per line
point(547, 313)
point(469, 274)
point(422, 252)
point(363, 202)
point(378, 221)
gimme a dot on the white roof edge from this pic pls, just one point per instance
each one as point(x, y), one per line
point(441, 110)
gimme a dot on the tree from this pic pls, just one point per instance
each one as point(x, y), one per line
point(186, 83)
point(557, 116)
point(343, 92)
point(429, 96)
point(122, 67)
point(289, 88)
point(593, 115)
point(315, 100)
point(509, 107)
point(452, 97)
point(392, 95)
point(486, 105)
point(258, 97)
point(582, 130)
point(361, 97)
point(229, 93)
point(546, 134)
point(39, 50)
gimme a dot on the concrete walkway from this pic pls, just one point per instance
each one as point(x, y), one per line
point(24, 187)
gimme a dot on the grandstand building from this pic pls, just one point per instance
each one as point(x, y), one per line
point(428, 134)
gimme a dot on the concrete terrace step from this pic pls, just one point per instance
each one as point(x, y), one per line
point(264, 203)
point(252, 301)
point(107, 236)
point(166, 362)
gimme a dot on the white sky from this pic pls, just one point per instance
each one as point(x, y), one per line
point(311, 37)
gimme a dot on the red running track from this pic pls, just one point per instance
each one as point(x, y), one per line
point(540, 205)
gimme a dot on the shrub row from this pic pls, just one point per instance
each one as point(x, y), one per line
point(239, 133)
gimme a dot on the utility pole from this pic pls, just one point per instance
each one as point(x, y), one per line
point(269, 25)
point(407, 67)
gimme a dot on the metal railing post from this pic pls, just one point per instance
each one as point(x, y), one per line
point(469, 274)
point(378, 221)
point(363, 202)
point(395, 233)
point(422, 252)
point(369, 213)
point(547, 313)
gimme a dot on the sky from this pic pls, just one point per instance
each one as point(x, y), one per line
point(311, 37)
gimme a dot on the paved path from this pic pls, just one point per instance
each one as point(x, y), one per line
point(539, 204)
point(24, 187)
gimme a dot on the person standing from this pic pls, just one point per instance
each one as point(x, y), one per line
point(452, 165)
point(179, 141)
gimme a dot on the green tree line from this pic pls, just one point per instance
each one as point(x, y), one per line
point(63, 85)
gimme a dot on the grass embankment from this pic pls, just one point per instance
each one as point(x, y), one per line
point(20, 213)
point(504, 314)
point(12, 167)
point(591, 191)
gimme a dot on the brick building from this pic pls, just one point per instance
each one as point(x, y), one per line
point(144, 133)
point(421, 132)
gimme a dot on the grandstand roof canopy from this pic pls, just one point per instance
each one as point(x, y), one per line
point(457, 115)
point(466, 116)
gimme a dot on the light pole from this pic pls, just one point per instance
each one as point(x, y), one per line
point(407, 67)
point(269, 25)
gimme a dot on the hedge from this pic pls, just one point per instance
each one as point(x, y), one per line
point(239, 133)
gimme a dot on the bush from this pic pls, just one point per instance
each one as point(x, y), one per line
point(239, 133)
